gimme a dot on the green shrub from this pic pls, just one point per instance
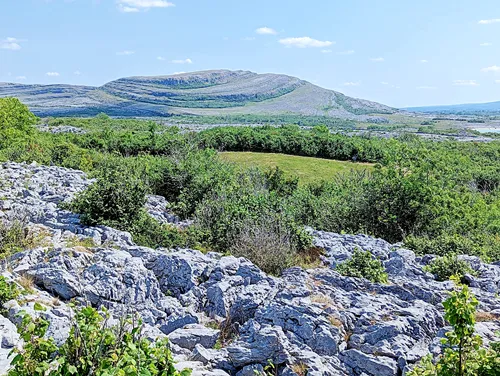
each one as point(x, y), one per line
point(148, 232)
point(463, 351)
point(8, 291)
point(92, 348)
point(447, 266)
point(15, 119)
point(115, 199)
point(363, 265)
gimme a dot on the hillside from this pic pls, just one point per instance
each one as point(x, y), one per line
point(216, 92)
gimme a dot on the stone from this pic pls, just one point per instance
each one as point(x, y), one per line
point(191, 335)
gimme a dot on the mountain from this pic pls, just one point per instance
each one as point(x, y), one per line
point(469, 108)
point(215, 92)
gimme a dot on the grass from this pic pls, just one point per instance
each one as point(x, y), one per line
point(307, 169)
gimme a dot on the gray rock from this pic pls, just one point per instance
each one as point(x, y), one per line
point(191, 335)
point(371, 365)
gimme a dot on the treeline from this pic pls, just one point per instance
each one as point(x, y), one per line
point(318, 142)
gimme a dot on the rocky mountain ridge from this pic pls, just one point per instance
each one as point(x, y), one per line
point(316, 319)
point(216, 92)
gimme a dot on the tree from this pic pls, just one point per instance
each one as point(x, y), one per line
point(15, 117)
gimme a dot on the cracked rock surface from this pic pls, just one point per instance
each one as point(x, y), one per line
point(222, 314)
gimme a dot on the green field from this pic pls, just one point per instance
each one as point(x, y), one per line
point(307, 169)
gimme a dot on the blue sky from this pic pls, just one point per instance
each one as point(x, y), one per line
point(397, 52)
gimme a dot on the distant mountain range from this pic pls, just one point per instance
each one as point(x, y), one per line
point(470, 108)
point(215, 92)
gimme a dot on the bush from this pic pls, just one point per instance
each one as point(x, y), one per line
point(267, 242)
point(463, 352)
point(8, 291)
point(148, 232)
point(447, 266)
point(250, 220)
point(15, 118)
point(363, 265)
point(116, 198)
point(92, 348)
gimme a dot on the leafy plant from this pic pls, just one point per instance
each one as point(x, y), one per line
point(8, 290)
point(92, 348)
point(445, 267)
point(463, 353)
point(363, 265)
point(116, 198)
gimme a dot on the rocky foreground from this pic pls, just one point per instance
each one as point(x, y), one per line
point(308, 319)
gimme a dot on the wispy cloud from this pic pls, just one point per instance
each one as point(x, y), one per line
point(134, 6)
point(180, 61)
point(486, 44)
point(53, 74)
point(423, 61)
point(10, 43)
point(497, 81)
point(21, 78)
point(465, 83)
point(351, 83)
point(385, 83)
point(161, 58)
point(326, 51)
point(348, 52)
point(178, 72)
point(493, 68)
point(377, 59)
point(248, 39)
point(77, 73)
point(490, 21)
point(305, 42)
point(426, 87)
point(125, 53)
point(266, 31)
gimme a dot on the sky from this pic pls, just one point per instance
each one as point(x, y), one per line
point(397, 52)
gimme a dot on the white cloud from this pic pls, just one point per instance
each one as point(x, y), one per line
point(423, 61)
point(351, 83)
point(348, 52)
point(384, 83)
point(125, 9)
point(326, 51)
point(21, 78)
point(53, 74)
point(10, 44)
point(134, 6)
point(486, 44)
point(493, 68)
point(248, 38)
point(161, 58)
point(465, 83)
point(178, 72)
point(497, 81)
point(180, 61)
point(125, 53)
point(426, 87)
point(377, 59)
point(266, 31)
point(304, 42)
point(77, 73)
point(490, 21)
